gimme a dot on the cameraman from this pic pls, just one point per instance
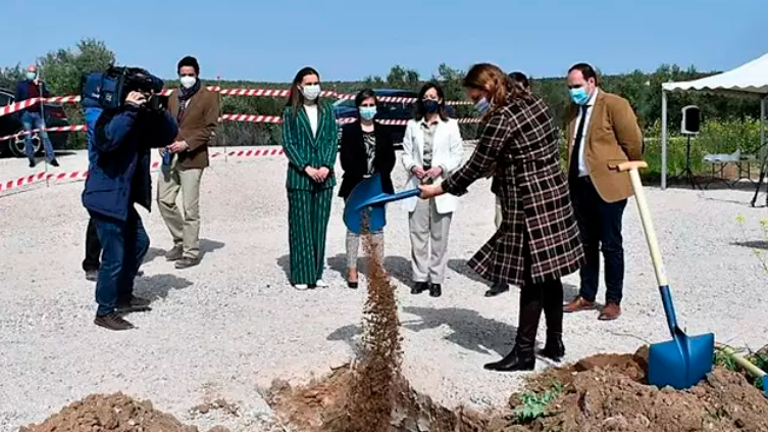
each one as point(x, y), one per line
point(119, 177)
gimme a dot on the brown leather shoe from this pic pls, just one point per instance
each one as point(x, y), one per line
point(112, 321)
point(611, 312)
point(578, 304)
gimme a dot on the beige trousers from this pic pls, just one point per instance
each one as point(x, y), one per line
point(429, 242)
point(185, 229)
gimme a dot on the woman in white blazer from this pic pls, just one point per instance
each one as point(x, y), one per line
point(432, 150)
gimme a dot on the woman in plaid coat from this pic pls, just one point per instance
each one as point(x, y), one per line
point(537, 242)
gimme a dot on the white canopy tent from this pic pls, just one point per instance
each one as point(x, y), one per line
point(750, 79)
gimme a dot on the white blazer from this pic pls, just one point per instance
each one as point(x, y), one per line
point(447, 153)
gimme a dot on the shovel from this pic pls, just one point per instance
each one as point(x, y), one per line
point(365, 205)
point(685, 360)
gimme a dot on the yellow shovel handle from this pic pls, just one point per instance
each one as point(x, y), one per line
point(645, 216)
point(741, 361)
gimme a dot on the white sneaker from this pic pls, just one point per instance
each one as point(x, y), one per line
point(301, 287)
point(321, 284)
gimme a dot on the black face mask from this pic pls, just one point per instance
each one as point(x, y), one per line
point(431, 106)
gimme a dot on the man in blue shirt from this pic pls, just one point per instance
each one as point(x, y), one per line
point(119, 176)
point(32, 118)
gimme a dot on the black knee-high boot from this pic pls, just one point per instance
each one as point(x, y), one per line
point(553, 314)
point(522, 357)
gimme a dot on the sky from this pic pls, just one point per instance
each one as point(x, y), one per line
point(270, 40)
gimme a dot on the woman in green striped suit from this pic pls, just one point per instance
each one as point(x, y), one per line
point(310, 140)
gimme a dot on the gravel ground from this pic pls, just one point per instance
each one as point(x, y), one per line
point(221, 329)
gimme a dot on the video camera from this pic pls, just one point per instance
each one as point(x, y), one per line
point(108, 90)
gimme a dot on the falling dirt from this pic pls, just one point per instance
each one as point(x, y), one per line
point(373, 388)
point(111, 413)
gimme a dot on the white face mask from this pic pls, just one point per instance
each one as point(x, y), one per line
point(311, 92)
point(187, 81)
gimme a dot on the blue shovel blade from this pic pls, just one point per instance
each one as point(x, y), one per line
point(765, 385)
point(356, 215)
point(385, 198)
point(682, 362)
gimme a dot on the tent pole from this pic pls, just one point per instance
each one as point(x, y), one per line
point(663, 139)
point(762, 128)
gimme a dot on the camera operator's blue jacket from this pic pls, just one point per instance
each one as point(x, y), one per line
point(119, 156)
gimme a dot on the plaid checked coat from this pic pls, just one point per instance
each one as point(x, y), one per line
point(538, 228)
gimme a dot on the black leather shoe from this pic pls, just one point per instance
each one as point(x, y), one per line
point(435, 290)
point(352, 285)
point(419, 287)
point(496, 289)
point(517, 360)
point(54, 163)
point(553, 349)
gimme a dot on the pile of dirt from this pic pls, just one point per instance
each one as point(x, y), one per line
point(599, 393)
point(111, 413)
point(608, 393)
point(324, 405)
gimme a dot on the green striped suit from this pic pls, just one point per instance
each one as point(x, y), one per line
point(309, 202)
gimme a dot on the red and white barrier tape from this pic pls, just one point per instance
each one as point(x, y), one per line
point(50, 129)
point(249, 118)
point(17, 106)
point(277, 119)
point(57, 177)
point(80, 175)
point(83, 174)
point(273, 151)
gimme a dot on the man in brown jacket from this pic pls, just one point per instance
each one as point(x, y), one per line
point(602, 131)
point(196, 109)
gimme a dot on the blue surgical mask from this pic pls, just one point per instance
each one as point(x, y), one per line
point(367, 112)
point(579, 96)
point(31, 75)
point(482, 105)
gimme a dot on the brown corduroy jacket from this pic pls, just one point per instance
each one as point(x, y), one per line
point(613, 137)
point(197, 127)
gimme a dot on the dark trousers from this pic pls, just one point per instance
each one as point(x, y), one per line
point(92, 259)
point(600, 228)
point(125, 244)
point(535, 298)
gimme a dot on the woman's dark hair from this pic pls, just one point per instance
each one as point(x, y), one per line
point(295, 98)
point(420, 112)
point(500, 87)
point(363, 95)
